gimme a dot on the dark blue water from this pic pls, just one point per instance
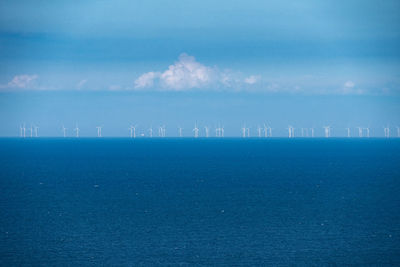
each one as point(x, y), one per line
point(199, 202)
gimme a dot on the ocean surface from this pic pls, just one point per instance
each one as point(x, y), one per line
point(205, 202)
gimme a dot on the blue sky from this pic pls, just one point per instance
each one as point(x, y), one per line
point(176, 62)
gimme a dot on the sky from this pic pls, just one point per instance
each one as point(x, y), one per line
point(176, 63)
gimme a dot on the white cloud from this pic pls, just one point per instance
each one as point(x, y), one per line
point(146, 79)
point(349, 87)
point(23, 81)
point(187, 73)
point(81, 84)
point(349, 84)
point(252, 79)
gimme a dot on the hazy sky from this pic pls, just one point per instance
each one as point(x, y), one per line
point(304, 63)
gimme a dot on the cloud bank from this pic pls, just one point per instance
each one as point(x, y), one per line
point(186, 74)
point(23, 81)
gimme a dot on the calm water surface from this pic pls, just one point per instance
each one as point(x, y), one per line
point(231, 202)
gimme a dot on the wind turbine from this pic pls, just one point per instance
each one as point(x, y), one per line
point(222, 131)
point(99, 131)
point(387, 132)
point(312, 132)
point(265, 130)
point(76, 130)
point(259, 131)
point(31, 131)
point(24, 129)
point(36, 130)
point(327, 131)
point(398, 131)
point(348, 132)
point(367, 129)
point(64, 131)
point(163, 130)
point(244, 131)
point(180, 131)
point(132, 130)
point(360, 132)
point(207, 131)
point(196, 131)
point(151, 132)
point(291, 131)
point(248, 132)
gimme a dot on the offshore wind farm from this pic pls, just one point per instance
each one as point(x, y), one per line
point(200, 133)
point(245, 132)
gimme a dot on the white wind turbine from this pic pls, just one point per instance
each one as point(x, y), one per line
point(219, 131)
point(76, 130)
point(312, 132)
point(99, 131)
point(196, 131)
point(398, 131)
point(248, 132)
point(132, 130)
point(36, 131)
point(348, 132)
point(265, 130)
point(327, 131)
point(150, 132)
point(367, 130)
point(64, 131)
point(207, 131)
point(291, 131)
point(163, 130)
point(24, 130)
point(259, 129)
point(387, 132)
point(31, 131)
point(222, 131)
point(244, 131)
point(180, 131)
point(360, 132)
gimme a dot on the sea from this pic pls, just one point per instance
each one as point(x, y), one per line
point(199, 202)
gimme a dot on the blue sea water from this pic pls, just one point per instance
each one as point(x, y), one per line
point(206, 202)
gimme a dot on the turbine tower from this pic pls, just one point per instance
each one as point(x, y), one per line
point(151, 132)
point(99, 131)
point(387, 132)
point(31, 131)
point(398, 131)
point(348, 132)
point(196, 131)
point(248, 132)
point(64, 131)
point(265, 130)
point(76, 130)
point(312, 132)
point(327, 131)
point(259, 131)
point(132, 130)
point(360, 132)
point(180, 131)
point(244, 131)
point(291, 131)
point(367, 130)
point(36, 131)
point(207, 131)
